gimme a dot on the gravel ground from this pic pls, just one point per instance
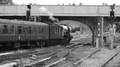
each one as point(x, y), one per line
point(74, 56)
point(78, 36)
point(115, 62)
point(99, 58)
point(94, 61)
point(32, 59)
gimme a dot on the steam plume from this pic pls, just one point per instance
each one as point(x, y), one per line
point(44, 10)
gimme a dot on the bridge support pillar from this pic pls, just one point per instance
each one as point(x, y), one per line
point(97, 42)
point(98, 35)
point(99, 39)
point(112, 35)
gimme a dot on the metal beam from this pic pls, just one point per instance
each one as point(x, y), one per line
point(59, 10)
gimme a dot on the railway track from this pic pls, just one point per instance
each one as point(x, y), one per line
point(89, 55)
point(52, 54)
point(63, 57)
point(27, 53)
point(51, 57)
point(90, 59)
point(16, 55)
point(109, 59)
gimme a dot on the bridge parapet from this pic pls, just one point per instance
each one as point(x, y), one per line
point(59, 10)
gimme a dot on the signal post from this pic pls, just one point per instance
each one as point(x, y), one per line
point(28, 12)
point(112, 25)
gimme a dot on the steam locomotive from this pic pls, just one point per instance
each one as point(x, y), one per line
point(25, 34)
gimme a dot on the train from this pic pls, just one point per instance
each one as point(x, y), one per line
point(15, 34)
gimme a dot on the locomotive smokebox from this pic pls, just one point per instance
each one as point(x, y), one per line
point(67, 28)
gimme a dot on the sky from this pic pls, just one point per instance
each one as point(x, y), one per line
point(66, 2)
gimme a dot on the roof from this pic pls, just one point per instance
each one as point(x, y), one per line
point(6, 21)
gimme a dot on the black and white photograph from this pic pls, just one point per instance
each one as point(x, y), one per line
point(59, 33)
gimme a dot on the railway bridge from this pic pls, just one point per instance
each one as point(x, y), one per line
point(91, 15)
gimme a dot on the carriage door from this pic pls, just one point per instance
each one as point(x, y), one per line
point(27, 33)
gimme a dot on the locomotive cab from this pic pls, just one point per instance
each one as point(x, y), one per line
point(66, 32)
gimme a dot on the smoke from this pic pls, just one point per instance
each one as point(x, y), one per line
point(44, 10)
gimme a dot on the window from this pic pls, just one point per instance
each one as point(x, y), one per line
point(35, 30)
point(23, 29)
point(30, 30)
point(26, 30)
point(40, 30)
point(5, 29)
point(12, 29)
point(19, 29)
point(56, 31)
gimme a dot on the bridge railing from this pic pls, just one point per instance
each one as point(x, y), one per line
point(59, 10)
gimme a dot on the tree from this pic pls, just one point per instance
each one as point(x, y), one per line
point(6, 2)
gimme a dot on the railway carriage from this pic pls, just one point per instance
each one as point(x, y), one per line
point(26, 34)
point(15, 34)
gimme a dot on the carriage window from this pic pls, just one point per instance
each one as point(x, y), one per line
point(39, 30)
point(42, 31)
point(35, 30)
point(26, 30)
point(12, 29)
point(19, 29)
point(56, 31)
point(29, 30)
point(23, 29)
point(5, 29)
